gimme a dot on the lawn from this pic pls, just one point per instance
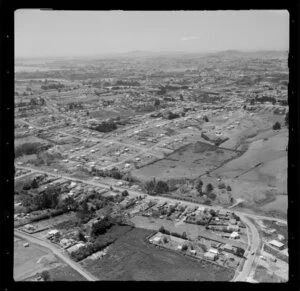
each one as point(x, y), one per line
point(131, 258)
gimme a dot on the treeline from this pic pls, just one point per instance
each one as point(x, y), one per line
point(127, 83)
point(52, 86)
point(154, 187)
point(30, 149)
point(113, 173)
point(74, 105)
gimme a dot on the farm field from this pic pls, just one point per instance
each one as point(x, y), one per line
point(189, 162)
point(130, 258)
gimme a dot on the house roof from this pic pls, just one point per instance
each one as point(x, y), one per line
point(276, 243)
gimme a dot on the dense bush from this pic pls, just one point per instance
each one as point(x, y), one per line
point(48, 215)
point(161, 187)
point(100, 227)
point(30, 149)
point(89, 249)
point(105, 126)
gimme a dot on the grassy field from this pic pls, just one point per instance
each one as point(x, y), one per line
point(103, 114)
point(65, 273)
point(260, 175)
point(262, 275)
point(25, 259)
point(130, 258)
point(189, 161)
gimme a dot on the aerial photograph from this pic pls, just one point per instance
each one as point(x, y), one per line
point(151, 145)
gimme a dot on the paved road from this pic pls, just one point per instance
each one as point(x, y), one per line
point(135, 193)
point(255, 244)
point(58, 253)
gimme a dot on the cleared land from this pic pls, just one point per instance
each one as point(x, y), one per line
point(260, 175)
point(131, 258)
point(189, 161)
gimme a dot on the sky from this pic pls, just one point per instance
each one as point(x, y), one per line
point(41, 33)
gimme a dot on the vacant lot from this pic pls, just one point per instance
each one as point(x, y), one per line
point(130, 258)
point(104, 114)
point(26, 258)
point(189, 161)
point(263, 275)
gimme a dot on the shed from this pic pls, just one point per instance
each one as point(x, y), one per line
point(276, 244)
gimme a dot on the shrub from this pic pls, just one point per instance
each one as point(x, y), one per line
point(228, 188)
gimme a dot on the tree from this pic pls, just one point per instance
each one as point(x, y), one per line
point(45, 276)
point(209, 187)
point(228, 188)
point(161, 187)
point(150, 186)
point(221, 185)
point(199, 185)
point(165, 240)
point(162, 229)
point(156, 103)
point(184, 235)
point(125, 193)
point(83, 214)
point(181, 97)
point(212, 212)
point(205, 118)
point(80, 236)
point(276, 126)
point(184, 247)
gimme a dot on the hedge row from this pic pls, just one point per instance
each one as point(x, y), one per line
point(48, 215)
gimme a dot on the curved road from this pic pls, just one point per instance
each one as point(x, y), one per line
point(254, 246)
point(58, 253)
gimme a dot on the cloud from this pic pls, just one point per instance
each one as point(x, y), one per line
point(189, 37)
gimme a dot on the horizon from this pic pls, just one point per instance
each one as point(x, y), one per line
point(104, 55)
point(40, 33)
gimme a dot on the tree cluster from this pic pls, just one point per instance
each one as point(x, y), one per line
point(105, 126)
point(154, 187)
point(52, 86)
